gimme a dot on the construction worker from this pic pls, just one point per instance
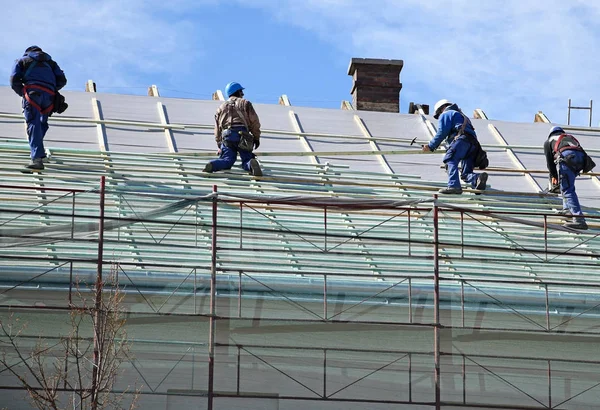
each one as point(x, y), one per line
point(237, 130)
point(457, 130)
point(37, 78)
point(565, 159)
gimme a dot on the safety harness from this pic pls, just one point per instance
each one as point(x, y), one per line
point(565, 142)
point(481, 159)
point(28, 87)
point(246, 142)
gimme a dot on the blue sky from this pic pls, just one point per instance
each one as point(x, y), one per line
point(510, 58)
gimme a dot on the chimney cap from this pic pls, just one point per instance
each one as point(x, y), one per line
point(372, 61)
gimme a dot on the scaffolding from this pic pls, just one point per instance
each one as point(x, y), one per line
point(336, 302)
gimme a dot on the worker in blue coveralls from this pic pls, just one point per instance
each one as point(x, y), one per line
point(565, 159)
point(457, 130)
point(237, 130)
point(36, 78)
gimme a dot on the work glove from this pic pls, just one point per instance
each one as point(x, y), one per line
point(256, 143)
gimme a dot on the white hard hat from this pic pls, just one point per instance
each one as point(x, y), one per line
point(437, 107)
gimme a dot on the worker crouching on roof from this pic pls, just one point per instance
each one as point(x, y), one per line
point(37, 78)
point(237, 130)
point(457, 130)
point(565, 159)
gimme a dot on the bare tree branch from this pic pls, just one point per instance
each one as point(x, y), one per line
point(71, 361)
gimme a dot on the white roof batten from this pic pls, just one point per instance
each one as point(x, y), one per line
point(100, 127)
point(430, 127)
point(171, 142)
point(365, 131)
point(298, 128)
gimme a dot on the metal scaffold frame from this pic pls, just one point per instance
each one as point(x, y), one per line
point(433, 291)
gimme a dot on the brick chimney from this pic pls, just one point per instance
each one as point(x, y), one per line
point(376, 84)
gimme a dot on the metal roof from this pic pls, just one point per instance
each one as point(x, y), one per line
point(342, 137)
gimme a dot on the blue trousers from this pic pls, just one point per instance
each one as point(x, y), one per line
point(37, 123)
point(461, 151)
point(568, 169)
point(229, 151)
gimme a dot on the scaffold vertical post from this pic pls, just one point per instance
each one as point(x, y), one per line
point(325, 225)
point(324, 373)
point(410, 312)
point(98, 297)
point(240, 294)
point(464, 379)
point(409, 377)
point(462, 234)
point(239, 369)
point(325, 297)
point(436, 304)
point(462, 303)
point(547, 309)
point(213, 285)
point(409, 247)
point(549, 385)
point(241, 224)
point(546, 237)
point(72, 236)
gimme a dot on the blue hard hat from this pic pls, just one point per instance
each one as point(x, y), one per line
point(232, 88)
point(556, 130)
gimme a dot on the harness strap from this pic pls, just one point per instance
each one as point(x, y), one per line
point(35, 105)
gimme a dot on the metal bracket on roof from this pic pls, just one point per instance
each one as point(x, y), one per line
point(218, 96)
point(541, 117)
point(284, 100)
point(90, 86)
point(153, 91)
point(347, 105)
point(479, 114)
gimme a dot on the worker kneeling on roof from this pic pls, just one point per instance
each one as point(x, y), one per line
point(237, 130)
point(464, 149)
point(565, 159)
point(37, 78)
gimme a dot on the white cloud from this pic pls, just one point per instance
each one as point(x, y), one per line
point(111, 42)
point(511, 57)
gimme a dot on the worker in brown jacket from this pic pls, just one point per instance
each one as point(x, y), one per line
point(237, 130)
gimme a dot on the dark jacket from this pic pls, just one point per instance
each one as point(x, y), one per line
point(36, 67)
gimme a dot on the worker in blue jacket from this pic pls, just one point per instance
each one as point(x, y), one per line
point(457, 130)
point(37, 78)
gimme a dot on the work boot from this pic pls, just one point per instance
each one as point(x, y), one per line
point(481, 181)
point(451, 191)
point(255, 168)
point(36, 163)
point(564, 213)
point(208, 167)
point(578, 223)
